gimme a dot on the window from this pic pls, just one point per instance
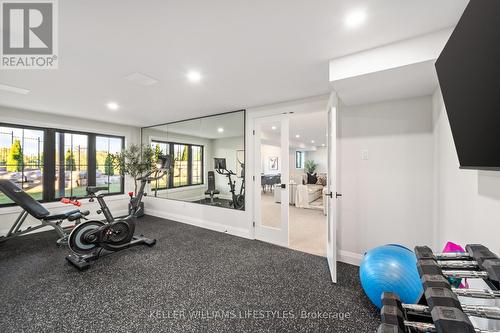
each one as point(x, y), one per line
point(181, 160)
point(106, 173)
point(161, 148)
point(21, 159)
point(49, 164)
point(187, 168)
point(71, 172)
point(197, 165)
point(299, 160)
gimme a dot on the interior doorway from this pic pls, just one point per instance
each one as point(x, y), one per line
point(291, 159)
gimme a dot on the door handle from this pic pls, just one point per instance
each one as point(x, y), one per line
point(283, 185)
point(338, 195)
point(331, 195)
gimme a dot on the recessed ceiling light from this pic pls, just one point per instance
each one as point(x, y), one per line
point(355, 18)
point(194, 76)
point(312, 141)
point(273, 128)
point(220, 130)
point(297, 136)
point(113, 106)
point(323, 144)
point(13, 89)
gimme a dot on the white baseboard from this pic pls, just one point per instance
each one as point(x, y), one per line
point(350, 257)
point(240, 232)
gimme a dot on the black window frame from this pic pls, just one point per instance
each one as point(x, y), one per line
point(170, 182)
point(49, 160)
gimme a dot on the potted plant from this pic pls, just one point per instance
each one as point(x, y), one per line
point(310, 166)
point(134, 161)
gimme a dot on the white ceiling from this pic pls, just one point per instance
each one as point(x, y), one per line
point(250, 53)
point(310, 126)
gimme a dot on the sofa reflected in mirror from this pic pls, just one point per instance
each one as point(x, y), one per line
point(194, 146)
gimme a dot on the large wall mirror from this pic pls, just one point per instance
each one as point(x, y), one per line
point(208, 157)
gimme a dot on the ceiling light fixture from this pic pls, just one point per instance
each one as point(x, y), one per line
point(312, 141)
point(113, 106)
point(220, 130)
point(297, 136)
point(355, 18)
point(194, 76)
point(273, 128)
point(323, 144)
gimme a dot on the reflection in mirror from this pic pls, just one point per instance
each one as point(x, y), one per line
point(208, 160)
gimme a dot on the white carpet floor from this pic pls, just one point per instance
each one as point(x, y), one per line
point(307, 226)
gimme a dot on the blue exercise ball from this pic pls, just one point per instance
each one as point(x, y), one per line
point(390, 268)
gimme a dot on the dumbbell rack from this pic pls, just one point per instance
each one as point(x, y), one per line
point(439, 309)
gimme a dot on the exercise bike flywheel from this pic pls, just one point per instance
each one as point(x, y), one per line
point(117, 234)
point(79, 240)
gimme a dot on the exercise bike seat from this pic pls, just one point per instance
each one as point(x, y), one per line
point(79, 215)
point(61, 216)
point(94, 189)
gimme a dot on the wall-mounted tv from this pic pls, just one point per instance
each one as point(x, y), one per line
point(469, 75)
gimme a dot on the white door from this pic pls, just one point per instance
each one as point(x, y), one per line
point(271, 179)
point(333, 188)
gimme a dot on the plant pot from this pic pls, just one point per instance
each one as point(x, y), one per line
point(140, 211)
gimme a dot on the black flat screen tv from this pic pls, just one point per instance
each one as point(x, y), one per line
point(469, 76)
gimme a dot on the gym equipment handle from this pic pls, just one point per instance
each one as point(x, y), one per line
point(477, 293)
point(331, 195)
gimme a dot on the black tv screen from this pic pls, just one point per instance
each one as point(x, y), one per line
point(469, 76)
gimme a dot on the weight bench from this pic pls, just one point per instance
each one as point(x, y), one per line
point(211, 191)
point(32, 207)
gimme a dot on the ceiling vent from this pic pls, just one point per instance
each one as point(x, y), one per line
point(141, 79)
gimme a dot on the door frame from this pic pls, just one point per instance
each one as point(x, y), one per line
point(306, 105)
point(277, 236)
point(333, 114)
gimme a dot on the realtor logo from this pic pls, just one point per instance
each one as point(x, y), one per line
point(29, 34)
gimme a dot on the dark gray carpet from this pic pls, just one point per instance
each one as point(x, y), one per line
point(193, 280)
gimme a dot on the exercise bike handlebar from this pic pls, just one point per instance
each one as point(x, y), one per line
point(225, 172)
point(162, 167)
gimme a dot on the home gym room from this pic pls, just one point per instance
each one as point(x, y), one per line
point(272, 166)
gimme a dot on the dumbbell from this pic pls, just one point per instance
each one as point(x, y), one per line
point(419, 327)
point(474, 251)
point(440, 281)
point(489, 312)
point(446, 320)
point(432, 267)
point(484, 259)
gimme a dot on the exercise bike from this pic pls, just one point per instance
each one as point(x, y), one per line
point(89, 239)
point(238, 201)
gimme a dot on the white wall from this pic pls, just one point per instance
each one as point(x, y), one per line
point(268, 151)
point(468, 200)
point(117, 204)
point(388, 197)
point(398, 54)
point(320, 157)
